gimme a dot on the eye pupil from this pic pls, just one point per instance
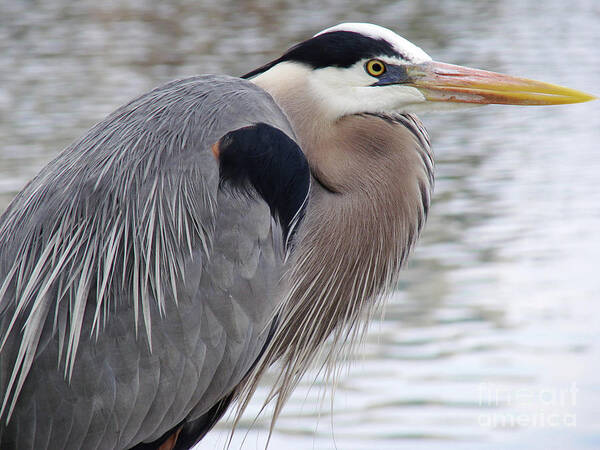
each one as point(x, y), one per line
point(377, 67)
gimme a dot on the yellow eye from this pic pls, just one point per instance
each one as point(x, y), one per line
point(375, 67)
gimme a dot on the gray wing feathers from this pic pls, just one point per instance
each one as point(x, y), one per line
point(133, 292)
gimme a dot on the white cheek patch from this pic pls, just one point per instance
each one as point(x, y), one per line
point(343, 91)
point(405, 48)
point(339, 90)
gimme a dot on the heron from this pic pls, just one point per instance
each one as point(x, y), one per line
point(216, 227)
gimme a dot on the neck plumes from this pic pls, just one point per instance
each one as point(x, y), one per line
point(372, 178)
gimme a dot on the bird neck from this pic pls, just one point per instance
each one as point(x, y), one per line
point(348, 252)
point(359, 226)
point(369, 199)
point(372, 178)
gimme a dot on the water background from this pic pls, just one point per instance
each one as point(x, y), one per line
point(492, 339)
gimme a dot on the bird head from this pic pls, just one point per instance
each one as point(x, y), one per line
point(363, 68)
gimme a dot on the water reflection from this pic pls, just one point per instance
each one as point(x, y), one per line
point(494, 317)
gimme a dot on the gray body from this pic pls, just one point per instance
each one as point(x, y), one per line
point(198, 266)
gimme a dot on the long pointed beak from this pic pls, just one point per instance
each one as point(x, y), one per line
point(441, 82)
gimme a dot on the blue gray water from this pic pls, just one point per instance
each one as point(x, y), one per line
point(492, 338)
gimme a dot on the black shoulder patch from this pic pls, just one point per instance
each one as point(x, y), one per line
point(264, 159)
point(333, 49)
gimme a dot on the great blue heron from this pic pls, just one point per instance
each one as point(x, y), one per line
point(158, 266)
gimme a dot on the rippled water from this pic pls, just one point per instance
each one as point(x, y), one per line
point(491, 340)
